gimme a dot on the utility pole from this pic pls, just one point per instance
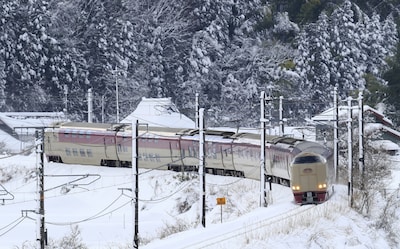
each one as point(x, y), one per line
point(335, 134)
point(116, 92)
point(281, 123)
point(65, 98)
point(90, 106)
point(42, 232)
point(135, 185)
point(269, 100)
point(202, 170)
point(197, 111)
point(361, 137)
point(263, 193)
point(350, 152)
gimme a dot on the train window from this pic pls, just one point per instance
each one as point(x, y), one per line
point(75, 151)
point(80, 135)
point(307, 171)
point(82, 152)
point(190, 151)
point(67, 133)
point(89, 153)
point(88, 135)
point(119, 148)
point(307, 159)
point(183, 153)
point(68, 151)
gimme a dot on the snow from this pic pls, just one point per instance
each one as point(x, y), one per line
point(159, 112)
point(328, 115)
point(307, 132)
point(386, 145)
point(31, 119)
point(98, 201)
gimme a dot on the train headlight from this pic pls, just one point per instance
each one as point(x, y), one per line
point(322, 185)
point(296, 187)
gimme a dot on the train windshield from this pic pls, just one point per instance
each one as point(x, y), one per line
point(307, 159)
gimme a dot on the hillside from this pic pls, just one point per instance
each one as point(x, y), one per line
point(53, 52)
point(96, 213)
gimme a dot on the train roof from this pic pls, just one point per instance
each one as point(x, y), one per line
point(253, 138)
point(178, 131)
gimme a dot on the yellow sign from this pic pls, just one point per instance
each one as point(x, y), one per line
point(221, 201)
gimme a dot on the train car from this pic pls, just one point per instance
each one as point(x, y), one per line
point(227, 153)
point(310, 180)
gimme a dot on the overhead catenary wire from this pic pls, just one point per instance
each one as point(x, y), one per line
point(80, 192)
point(17, 154)
point(12, 225)
point(95, 216)
point(101, 214)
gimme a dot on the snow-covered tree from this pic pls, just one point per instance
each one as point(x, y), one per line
point(347, 49)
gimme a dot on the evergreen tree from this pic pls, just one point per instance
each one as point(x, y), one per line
point(393, 92)
point(346, 49)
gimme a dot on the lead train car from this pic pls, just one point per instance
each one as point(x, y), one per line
point(310, 178)
point(227, 153)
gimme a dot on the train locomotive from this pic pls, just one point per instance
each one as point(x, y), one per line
point(227, 153)
point(310, 178)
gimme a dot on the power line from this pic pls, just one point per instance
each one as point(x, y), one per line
point(17, 222)
point(95, 216)
point(17, 154)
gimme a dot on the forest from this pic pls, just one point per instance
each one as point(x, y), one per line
point(53, 51)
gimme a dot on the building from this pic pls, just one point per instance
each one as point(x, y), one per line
point(21, 125)
point(159, 112)
point(375, 122)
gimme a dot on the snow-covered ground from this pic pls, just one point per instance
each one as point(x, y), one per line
point(97, 202)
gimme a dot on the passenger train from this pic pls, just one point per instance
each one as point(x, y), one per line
point(227, 153)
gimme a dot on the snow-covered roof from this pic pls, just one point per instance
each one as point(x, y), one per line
point(392, 131)
point(385, 145)
point(17, 120)
point(159, 112)
point(328, 115)
point(305, 132)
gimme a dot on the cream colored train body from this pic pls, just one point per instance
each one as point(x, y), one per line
point(227, 153)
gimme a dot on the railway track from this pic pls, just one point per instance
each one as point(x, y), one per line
point(273, 225)
point(228, 239)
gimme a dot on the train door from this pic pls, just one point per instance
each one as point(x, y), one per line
point(308, 178)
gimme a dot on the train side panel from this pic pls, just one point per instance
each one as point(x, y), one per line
point(227, 153)
point(224, 156)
